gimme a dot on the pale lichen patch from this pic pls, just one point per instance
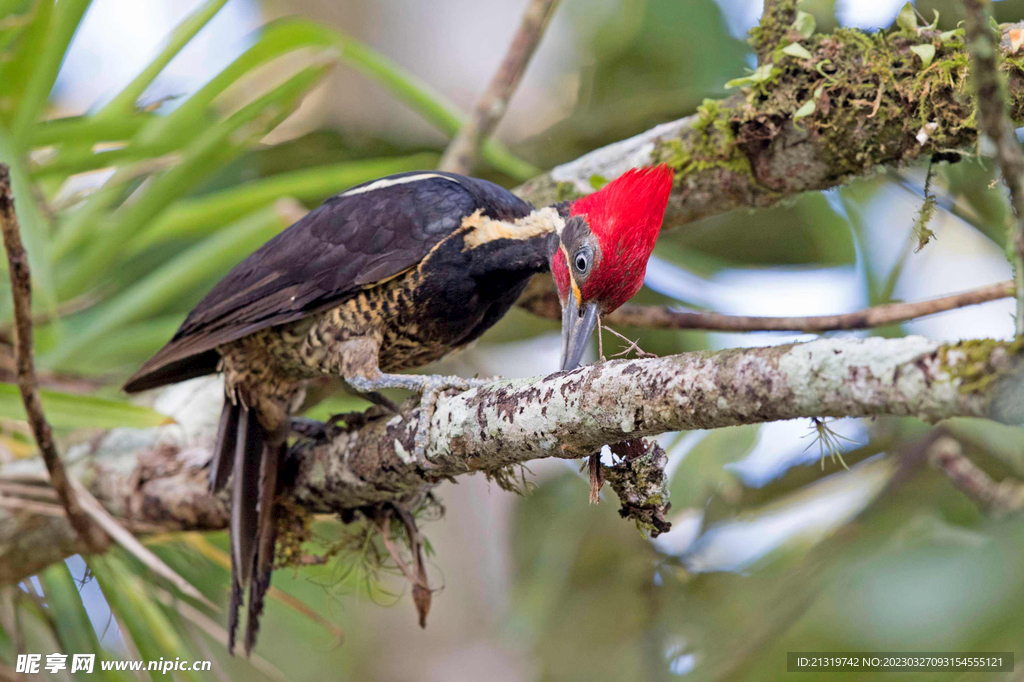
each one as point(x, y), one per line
point(824, 367)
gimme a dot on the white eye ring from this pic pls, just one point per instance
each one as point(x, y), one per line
point(581, 261)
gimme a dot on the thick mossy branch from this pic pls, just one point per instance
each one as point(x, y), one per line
point(865, 100)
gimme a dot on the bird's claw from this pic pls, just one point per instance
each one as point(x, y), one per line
point(430, 388)
point(343, 421)
point(433, 387)
point(310, 428)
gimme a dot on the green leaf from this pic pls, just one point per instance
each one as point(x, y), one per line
point(288, 35)
point(13, 23)
point(955, 34)
point(72, 411)
point(164, 285)
point(197, 217)
point(125, 101)
point(212, 150)
point(806, 110)
point(763, 74)
point(925, 52)
point(797, 50)
point(73, 627)
point(598, 181)
point(17, 68)
point(87, 130)
point(133, 344)
point(75, 230)
point(702, 470)
point(907, 19)
point(154, 634)
point(44, 67)
point(804, 24)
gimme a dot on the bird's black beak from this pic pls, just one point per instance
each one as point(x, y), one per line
point(577, 326)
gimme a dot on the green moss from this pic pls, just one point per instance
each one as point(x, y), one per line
point(861, 84)
point(294, 529)
point(773, 27)
point(863, 98)
point(565, 191)
point(970, 362)
point(711, 144)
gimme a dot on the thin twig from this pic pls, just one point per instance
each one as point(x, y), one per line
point(44, 493)
point(596, 474)
point(31, 506)
point(665, 317)
point(996, 498)
point(994, 123)
point(421, 592)
point(21, 291)
point(630, 346)
point(417, 577)
point(460, 157)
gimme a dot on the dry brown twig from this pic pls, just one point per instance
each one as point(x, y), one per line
point(421, 592)
point(545, 304)
point(997, 126)
point(416, 574)
point(460, 156)
point(631, 346)
point(28, 384)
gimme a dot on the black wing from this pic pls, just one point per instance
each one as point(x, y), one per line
point(366, 234)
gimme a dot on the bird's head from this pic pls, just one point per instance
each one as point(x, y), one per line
point(601, 256)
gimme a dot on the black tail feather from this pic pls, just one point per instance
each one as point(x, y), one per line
point(264, 560)
point(250, 443)
point(224, 451)
point(236, 602)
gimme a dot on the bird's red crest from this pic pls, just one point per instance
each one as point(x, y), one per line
point(625, 217)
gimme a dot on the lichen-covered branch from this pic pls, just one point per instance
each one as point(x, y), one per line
point(158, 478)
point(874, 102)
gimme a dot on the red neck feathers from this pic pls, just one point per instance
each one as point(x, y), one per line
point(624, 216)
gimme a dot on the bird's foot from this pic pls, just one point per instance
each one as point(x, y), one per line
point(310, 428)
point(432, 390)
point(430, 387)
point(343, 421)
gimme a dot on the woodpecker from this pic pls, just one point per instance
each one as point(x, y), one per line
point(387, 276)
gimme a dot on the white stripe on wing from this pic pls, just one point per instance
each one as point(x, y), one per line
point(391, 182)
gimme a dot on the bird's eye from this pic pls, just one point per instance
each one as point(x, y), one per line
point(582, 261)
